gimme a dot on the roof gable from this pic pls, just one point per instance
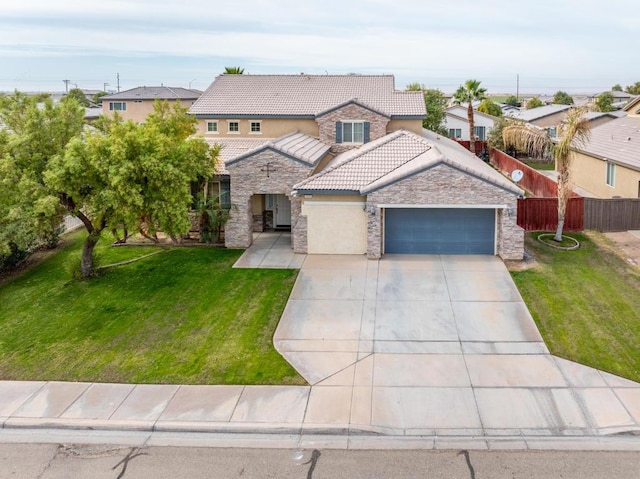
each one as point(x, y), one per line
point(297, 146)
point(395, 157)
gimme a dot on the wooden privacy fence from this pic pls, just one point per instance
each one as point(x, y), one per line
point(541, 214)
point(617, 214)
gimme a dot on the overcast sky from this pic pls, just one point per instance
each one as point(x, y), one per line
point(573, 45)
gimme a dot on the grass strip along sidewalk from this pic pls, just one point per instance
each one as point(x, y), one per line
point(586, 303)
point(183, 316)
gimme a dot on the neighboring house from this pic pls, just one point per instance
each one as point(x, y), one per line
point(458, 124)
point(619, 97)
point(343, 162)
point(609, 165)
point(597, 118)
point(136, 104)
point(547, 117)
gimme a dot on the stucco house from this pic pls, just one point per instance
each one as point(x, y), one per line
point(136, 104)
point(547, 117)
point(343, 162)
point(609, 164)
point(458, 124)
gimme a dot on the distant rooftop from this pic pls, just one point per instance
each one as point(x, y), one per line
point(536, 113)
point(155, 92)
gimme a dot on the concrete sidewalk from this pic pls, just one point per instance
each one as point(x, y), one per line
point(405, 352)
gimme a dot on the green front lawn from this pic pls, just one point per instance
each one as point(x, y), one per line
point(181, 316)
point(586, 304)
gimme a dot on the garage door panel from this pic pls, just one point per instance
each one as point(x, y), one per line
point(439, 231)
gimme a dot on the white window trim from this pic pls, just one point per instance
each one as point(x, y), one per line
point(209, 132)
point(259, 122)
point(229, 126)
point(611, 165)
point(352, 122)
point(123, 103)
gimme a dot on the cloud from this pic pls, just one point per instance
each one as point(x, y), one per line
point(568, 40)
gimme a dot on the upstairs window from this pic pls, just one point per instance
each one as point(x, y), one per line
point(480, 132)
point(352, 131)
point(255, 127)
point(455, 133)
point(234, 126)
point(117, 106)
point(611, 174)
point(212, 127)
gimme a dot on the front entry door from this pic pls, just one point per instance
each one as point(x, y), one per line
point(283, 211)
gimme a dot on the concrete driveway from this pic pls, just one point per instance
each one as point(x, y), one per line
point(437, 345)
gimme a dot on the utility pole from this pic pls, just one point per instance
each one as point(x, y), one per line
point(118, 77)
point(518, 87)
point(104, 87)
point(66, 85)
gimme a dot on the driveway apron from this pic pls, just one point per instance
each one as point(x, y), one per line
point(437, 345)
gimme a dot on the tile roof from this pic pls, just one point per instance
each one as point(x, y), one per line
point(304, 148)
point(396, 156)
point(153, 92)
point(536, 113)
point(304, 95)
point(617, 140)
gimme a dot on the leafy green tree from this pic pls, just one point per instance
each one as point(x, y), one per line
point(415, 86)
point(435, 102)
point(616, 87)
point(535, 102)
point(512, 101)
point(490, 108)
point(78, 95)
point(562, 98)
point(604, 102)
point(96, 98)
point(233, 70)
point(634, 89)
point(573, 132)
point(469, 93)
point(494, 136)
point(131, 175)
point(35, 134)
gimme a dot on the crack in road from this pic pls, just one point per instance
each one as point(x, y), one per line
point(315, 455)
point(472, 472)
point(133, 453)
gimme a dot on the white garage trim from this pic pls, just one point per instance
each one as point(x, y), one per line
point(445, 206)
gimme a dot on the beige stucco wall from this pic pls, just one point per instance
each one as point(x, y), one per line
point(591, 174)
point(138, 112)
point(335, 224)
point(551, 120)
point(271, 127)
point(414, 126)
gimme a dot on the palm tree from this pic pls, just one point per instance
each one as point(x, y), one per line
point(469, 93)
point(573, 132)
point(233, 70)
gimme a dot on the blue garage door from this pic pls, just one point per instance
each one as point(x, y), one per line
point(439, 231)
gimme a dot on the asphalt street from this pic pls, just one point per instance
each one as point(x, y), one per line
point(57, 461)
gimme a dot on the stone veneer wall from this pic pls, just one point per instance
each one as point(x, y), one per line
point(299, 230)
point(248, 179)
point(327, 125)
point(443, 185)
